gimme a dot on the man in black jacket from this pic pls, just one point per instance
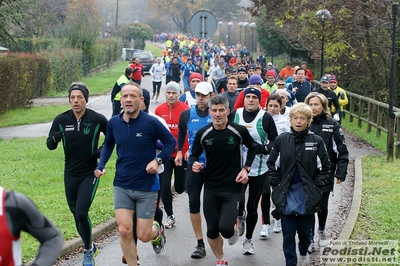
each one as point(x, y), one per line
point(330, 95)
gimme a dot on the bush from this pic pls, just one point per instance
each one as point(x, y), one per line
point(22, 77)
point(66, 67)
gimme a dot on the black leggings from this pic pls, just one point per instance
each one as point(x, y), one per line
point(256, 185)
point(194, 184)
point(323, 212)
point(220, 211)
point(156, 87)
point(80, 192)
point(179, 182)
point(266, 202)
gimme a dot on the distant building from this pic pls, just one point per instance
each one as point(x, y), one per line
point(3, 50)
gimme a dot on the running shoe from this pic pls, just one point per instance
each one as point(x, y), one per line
point(323, 239)
point(277, 226)
point(242, 223)
point(311, 247)
point(222, 262)
point(233, 239)
point(159, 242)
point(264, 234)
point(199, 252)
point(125, 262)
point(88, 256)
point(170, 222)
point(303, 260)
point(248, 247)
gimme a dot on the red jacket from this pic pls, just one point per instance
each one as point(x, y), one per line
point(137, 71)
point(171, 115)
point(240, 99)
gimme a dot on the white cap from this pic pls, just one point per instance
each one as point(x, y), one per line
point(204, 88)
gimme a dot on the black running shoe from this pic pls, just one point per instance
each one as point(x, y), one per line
point(199, 252)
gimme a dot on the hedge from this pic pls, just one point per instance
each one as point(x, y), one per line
point(22, 77)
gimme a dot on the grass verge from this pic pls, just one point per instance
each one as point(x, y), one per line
point(379, 216)
point(29, 167)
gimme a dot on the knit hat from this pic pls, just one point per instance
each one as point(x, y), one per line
point(271, 73)
point(255, 91)
point(80, 87)
point(252, 66)
point(333, 79)
point(173, 86)
point(195, 75)
point(146, 96)
point(255, 79)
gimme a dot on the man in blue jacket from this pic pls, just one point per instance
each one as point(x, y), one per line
point(136, 182)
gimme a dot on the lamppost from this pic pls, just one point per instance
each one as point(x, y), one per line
point(240, 27)
point(395, 9)
point(116, 17)
point(323, 15)
point(230, 23)
point(252, 26)
point(220, 32)
point(245, 25)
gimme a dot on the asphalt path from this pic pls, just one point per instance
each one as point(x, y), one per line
point(180, 239)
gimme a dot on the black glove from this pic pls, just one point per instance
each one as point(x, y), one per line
point(57, 136)
point(320, 183)
point(341, 95)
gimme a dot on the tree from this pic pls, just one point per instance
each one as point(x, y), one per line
point(137, 32)
point(180, 12)
point(12, 14)
point(82, 24)
point(357, 38)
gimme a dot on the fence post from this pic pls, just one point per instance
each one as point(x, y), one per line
point(379, 122)
point(360, 112)
point(351, 107)
point(369, 126)
point(390, 138)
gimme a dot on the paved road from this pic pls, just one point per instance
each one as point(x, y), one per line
point(180, 240)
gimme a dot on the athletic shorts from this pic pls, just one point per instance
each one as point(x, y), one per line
point(144, 203)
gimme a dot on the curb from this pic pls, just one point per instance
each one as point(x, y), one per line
point(356, 202)
point(99, 230)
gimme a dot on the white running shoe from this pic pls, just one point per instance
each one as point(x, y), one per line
point(170, 222)
point(264, 234)
point(323, 239)
point(277, 226)
point(248, 247)
point(233, 239)
point(311, 247)
point(303, 260)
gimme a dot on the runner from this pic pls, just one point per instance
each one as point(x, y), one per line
point(262, 128)
point(18, 213)
point(79, 129)
point(190, 122)
point(136, 182)
point(224, 178)
point(171, 111)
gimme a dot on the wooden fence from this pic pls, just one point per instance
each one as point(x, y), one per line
point(375, 115)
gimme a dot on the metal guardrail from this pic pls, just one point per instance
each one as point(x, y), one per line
point(375, 115)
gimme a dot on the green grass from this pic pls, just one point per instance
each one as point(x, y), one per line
point(29, 167)
point(33, 115)
point(378, 143)
point(98, 84)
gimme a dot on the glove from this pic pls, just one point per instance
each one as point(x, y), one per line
point(57, 136)
point(341, 95)
point(336, 117)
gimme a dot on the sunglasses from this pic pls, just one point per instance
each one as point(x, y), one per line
point(281, 84)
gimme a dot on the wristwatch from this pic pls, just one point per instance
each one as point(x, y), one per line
point(159, 160)
point(247, 168)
